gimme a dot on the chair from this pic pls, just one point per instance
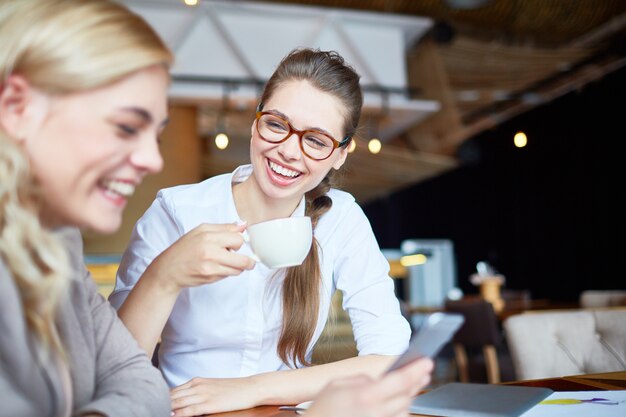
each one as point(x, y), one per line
point(554, 344)
point(602, 298)
point(481, 337)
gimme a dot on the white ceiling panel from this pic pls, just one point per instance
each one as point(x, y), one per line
point(217, 42)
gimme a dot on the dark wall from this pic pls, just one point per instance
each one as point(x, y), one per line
point(551, 216)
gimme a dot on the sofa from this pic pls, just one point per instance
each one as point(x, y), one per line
point(554, 344)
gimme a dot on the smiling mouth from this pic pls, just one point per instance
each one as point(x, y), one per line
point(118, 188)
point(281, 170)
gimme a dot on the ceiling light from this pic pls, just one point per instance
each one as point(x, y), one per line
point(352, 146)
point(221, 140)
point(374, 145)
point(520, 140)
point(191, 2)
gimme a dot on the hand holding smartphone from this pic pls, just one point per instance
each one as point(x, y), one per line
point(438, 328)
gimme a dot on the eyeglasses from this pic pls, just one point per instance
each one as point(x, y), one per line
point(314, 144)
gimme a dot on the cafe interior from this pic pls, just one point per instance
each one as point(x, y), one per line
point(488, 161)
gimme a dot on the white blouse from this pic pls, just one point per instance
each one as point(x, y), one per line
point(231, 328)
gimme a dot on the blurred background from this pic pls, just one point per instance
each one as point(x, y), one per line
point(449, 84)
point(490, 159)
point(492, 130)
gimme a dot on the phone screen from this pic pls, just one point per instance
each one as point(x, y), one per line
point(437, 330)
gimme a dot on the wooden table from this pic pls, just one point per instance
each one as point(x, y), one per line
point(588, 382)
point(263, 411)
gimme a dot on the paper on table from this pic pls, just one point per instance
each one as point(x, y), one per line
point(582, 406)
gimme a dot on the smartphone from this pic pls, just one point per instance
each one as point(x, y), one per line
point(437, 329)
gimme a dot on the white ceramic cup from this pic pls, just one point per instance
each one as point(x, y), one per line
point(281, 243)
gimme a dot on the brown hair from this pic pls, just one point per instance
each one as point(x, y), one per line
point(60, 47)
point(328, 72)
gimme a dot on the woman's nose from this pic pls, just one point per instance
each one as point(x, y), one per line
point(147, 156)
point(290, 149)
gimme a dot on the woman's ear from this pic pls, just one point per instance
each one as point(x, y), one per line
point(252, 128)
point(343, 154)
point(20, 106)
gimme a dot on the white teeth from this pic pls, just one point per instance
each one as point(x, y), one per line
point(118, 187)
point(283, 171)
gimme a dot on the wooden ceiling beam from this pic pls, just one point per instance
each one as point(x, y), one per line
point(428, 73)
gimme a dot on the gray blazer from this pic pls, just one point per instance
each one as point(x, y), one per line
point(110, 374)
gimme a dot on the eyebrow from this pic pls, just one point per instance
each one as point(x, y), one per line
point(317, 129)
point(145, 115)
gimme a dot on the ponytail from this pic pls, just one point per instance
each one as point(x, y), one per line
point(302, 287)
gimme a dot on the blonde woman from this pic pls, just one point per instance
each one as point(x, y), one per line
point(82, 100)
point(246, 338)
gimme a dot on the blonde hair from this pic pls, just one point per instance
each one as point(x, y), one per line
point(60, 47)
point(328, 72)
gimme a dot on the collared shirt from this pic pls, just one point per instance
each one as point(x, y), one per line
point(231, 328)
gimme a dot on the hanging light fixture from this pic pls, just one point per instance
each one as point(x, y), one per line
point(374, 145)
point(221, 137)
point(520, 140)
point(221, 141)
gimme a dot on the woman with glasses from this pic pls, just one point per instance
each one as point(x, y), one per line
point(246, 338)
point(83, 98)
